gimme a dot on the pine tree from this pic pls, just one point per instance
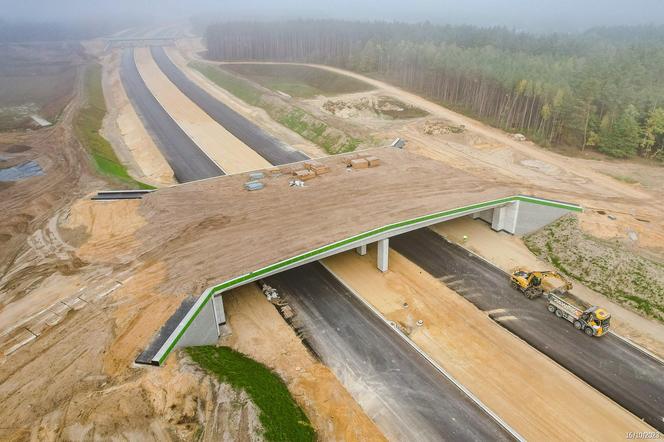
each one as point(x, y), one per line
point(621, 139)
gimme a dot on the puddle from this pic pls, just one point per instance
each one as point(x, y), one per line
point(21, 171)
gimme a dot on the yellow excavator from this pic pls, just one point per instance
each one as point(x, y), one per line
point(533, 284)
point(593, 321)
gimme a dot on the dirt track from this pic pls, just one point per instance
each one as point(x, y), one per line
point(478, 353)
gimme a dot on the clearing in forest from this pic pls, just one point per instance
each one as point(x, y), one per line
point(297, 80)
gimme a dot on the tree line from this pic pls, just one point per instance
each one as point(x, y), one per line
point(601, 89)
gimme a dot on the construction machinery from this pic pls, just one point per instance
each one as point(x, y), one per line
point(593, 321)
point(533, 284)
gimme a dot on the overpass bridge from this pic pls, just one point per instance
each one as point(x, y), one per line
point(247, 236)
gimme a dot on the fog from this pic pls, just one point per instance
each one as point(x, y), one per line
point(531, 15)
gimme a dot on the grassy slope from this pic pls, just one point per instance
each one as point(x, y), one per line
point(294, 118)
point(87, 125)
point(606, 267)
point(281, 417)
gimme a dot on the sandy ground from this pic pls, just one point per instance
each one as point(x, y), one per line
point(541, 400)
point(185, 53)
point(66, 370)
point(508, 252)
point(256, 328)
point(124, 129)
point(221, 146)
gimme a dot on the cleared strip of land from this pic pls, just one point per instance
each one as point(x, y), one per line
point(232, 155)
point(538, 398)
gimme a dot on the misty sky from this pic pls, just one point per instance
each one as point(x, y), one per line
point(534, 15)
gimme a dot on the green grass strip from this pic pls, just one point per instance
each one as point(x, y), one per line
point(87, 125)
point(281, 417)
point(242, 89)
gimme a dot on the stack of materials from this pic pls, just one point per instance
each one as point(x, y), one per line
point(359, 163)
point(373, 161)
point(253, 185)
point(304, 175)
point(317, 167)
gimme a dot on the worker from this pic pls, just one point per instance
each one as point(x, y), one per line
point(465, 238)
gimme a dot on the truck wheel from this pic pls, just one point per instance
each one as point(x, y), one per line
point(578, 325)
point(559, 313)
point(551, 308)
point(589, 331)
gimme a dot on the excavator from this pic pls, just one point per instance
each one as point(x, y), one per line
point(593, 321)
point(531, 283)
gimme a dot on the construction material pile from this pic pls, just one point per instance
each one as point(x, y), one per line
point(433, 127)
point(362, 161)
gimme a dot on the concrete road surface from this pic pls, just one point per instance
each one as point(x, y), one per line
point(404, 394)
point(187, 160)
point(253, 136)
point(615, 368)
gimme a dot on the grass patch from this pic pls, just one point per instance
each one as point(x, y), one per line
point(242, 89)
point(333, 142)
point(281, 417)
point(87, 125)
point(299, 81)
point(607, 267)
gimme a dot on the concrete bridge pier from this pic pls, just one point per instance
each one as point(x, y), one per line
point(362, 250)
point(505, 218)
point(383, 251)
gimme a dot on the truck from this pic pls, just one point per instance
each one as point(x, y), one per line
point(593, 321)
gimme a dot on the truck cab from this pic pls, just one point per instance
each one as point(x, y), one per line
point(596, 319)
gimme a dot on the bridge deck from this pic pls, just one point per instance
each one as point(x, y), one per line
point(212, 230)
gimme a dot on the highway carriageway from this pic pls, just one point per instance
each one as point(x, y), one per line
point(616, 368)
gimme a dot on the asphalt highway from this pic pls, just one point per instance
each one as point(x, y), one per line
point(618, 370)
point(398, 388)
point(270, 148)
point(187, 160)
